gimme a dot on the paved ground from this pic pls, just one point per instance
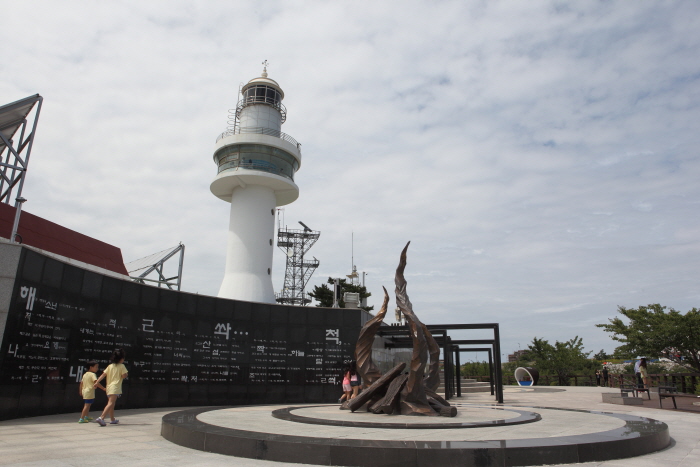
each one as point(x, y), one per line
point(58, 440)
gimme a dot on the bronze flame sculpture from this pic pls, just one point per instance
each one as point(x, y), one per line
point(394, 392)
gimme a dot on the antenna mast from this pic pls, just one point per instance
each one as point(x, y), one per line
point(353, 276)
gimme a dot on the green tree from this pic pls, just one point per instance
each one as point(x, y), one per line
point(564, 359)
point(324, 294)
point(601, 356)
point(654, 330)
point(622, 355)
point(507, 370)
point(475, 369)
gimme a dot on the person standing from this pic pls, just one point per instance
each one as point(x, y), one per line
point(347, 388)
point(605, 376)
point(643, 372)
point(637, 373)
point(115, 374)
point(354, 380)
point(597, 377)
point(87, 390)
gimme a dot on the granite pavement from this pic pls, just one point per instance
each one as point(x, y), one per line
point(58, 440)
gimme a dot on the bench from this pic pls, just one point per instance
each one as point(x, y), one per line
point(625, 389)
point(644, 390)
point(672, 392)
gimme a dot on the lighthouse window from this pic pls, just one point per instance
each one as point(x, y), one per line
point(273, 96)
point(250, 95)
point(229, 158)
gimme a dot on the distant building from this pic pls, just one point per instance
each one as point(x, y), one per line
point(517, 355)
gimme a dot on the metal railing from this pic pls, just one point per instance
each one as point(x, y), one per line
point(260, 131)
point(298, 301)
point(685, 382)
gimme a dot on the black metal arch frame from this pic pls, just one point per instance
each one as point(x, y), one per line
point(458, 350)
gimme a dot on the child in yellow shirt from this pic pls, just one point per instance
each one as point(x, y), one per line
point(115, 374)
point(87, 390)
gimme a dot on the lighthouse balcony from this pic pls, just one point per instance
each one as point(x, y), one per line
point(227, 181)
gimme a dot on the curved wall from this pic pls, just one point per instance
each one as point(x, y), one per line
point(182, 349)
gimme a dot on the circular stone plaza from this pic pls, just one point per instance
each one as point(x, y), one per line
point(534, 426)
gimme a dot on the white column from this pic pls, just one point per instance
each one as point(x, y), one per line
point(250, 245)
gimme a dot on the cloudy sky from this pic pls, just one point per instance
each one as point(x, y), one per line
point(542, 157)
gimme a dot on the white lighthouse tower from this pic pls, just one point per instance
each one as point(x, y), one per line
point(256, 166)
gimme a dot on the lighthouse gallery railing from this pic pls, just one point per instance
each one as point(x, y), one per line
point(260, 131)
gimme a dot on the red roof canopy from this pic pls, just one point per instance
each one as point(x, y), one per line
point(48, 236)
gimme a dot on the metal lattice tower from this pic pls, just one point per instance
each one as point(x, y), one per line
point(295, 244)
point(14, 154)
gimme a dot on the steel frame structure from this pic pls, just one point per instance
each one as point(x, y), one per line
point(157, 266)
point(451, 350)
point(298, 270)
point(457, 351)
point(14, 156)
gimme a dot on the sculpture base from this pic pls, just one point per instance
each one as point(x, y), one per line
point(290, 434)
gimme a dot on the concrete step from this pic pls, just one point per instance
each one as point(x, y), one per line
point(442, 377)
point(615, 398)
point(464, 378)
point(469, 381)
point(469, 387)
point(441, 391)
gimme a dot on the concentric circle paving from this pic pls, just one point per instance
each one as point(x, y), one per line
point(559, 436)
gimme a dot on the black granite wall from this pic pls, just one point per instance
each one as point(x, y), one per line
point(182, 349)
